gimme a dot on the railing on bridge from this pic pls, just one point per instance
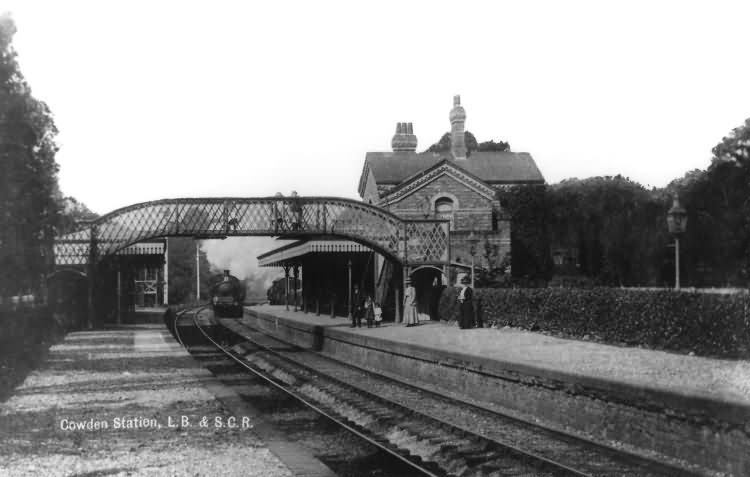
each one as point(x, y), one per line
point(407, 241)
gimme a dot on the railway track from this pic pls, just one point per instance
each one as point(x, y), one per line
point(435, 434)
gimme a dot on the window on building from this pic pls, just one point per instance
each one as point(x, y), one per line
point(444, 209)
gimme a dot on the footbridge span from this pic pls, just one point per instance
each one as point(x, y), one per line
point(407, 242)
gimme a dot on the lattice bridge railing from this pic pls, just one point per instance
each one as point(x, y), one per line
point(407, 241)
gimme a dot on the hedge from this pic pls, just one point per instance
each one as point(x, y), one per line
point(25, 336)
point(705, 324)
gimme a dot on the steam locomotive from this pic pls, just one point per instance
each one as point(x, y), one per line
point(228, 296)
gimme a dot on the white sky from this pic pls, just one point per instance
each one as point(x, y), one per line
point(160, 99)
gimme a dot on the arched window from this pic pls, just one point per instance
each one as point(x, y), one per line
point(444, 209)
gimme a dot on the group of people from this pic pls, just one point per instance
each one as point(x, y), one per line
point(365, 307)
point(466, 305)
point(287, 215)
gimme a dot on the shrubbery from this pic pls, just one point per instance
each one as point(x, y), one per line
point(707, 324)
point(25, 336)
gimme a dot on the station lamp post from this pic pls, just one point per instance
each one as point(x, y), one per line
point(473, 240)
point(677, 224)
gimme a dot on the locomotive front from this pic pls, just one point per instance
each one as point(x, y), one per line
point(227, 296)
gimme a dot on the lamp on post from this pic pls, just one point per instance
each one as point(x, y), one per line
point(473, 240)
point(677, 224)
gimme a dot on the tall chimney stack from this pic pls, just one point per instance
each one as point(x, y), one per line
point(458, 118)
point(404, 139)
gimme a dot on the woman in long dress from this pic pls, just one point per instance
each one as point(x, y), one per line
point(466, 305)
point(410, 305)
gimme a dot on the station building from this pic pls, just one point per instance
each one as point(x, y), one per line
point(458, 185)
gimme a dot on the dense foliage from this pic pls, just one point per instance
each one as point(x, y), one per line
point(29, 194)
point(26, 336)
point(182, 271)
point(706, 324)
point(613, 229)
point(444, 144)
point(73, 214)
point(530, 251)
point(717, 240)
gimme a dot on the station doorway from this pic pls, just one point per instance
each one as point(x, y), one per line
point(428, 282)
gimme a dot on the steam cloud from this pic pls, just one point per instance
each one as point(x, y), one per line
point(238, 255)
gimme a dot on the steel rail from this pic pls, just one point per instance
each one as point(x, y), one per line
point(525, 455)
point(660, 468)
point(311, 405)
point(177, 317)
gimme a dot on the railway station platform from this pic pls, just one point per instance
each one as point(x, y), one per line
point(691, 410)
point(132, 401)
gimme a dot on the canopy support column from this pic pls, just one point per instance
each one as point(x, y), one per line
point(286, 287)
point(91, 314)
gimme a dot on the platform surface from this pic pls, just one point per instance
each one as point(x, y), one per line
point(114, 403)
point(715, 379)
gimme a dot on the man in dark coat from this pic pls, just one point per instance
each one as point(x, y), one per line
point(358, 305)
point(466, 305)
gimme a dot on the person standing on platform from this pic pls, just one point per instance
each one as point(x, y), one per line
point(377, 311)
point(466, 304)
point(369, 311)
point(358, 304)
point(411, 318)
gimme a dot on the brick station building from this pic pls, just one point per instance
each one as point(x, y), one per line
point(458, 184)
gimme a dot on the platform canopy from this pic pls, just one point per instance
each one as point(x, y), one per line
point(280, 256)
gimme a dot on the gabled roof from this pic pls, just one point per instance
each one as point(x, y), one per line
point(442, 167)
point(492, 167)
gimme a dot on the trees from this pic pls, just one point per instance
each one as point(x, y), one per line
point(501, 146)
point(29, 194)
point(529, 212)
point(73, 212)
point(614, 226)
point(444, 144)
point(717, 240)
point(182, 271)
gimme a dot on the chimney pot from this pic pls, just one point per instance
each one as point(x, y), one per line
point(404, 140)
point(457, 118)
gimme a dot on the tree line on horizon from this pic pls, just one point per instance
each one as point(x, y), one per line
point(614, 231)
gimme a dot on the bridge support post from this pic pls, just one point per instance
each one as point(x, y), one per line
point(286, 287)
point(397, 298)
point(91, 313)
point(349, 289)
point(295, 270)
point(119, 293)
point(166, 272)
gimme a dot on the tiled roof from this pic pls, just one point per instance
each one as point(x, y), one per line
point(393, 193)
point(493, 167)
